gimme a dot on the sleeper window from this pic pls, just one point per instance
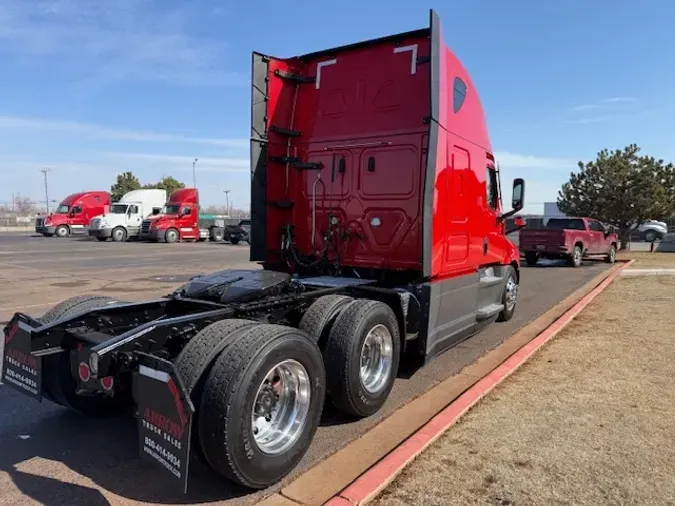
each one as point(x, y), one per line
point(491, 187)
point(458, 95)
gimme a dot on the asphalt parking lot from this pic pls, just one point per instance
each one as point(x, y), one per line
point(54, 457)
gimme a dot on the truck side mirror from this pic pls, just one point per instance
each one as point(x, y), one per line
point(518, 198)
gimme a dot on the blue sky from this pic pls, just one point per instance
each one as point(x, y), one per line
point(92, 88)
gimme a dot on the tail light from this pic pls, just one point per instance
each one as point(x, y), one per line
point(107, 383)
point(84, 372)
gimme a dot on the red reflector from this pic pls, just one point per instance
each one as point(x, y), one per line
point(84, 372)
point(107, 383)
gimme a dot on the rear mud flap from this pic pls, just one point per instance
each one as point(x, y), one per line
point(164, 417)
point(20, 369)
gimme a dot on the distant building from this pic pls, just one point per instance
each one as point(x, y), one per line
point(551, 210)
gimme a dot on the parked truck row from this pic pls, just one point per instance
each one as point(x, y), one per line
point(141, 214)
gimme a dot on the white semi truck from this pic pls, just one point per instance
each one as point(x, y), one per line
point(124, 219)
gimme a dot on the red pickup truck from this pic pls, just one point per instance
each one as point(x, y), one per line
point(571, 238)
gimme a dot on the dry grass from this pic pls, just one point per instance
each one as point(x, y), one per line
point(590, 420)
point(648, 260)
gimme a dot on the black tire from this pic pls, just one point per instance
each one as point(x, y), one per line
point(611, 256)
point(195, 359)
point(102, 239)
point(59, 310)
point(507, 313)
point(234, 241)
point(59, 384)
point(574, 260)
point(119, 234)
point(651, 236)
point(171, 235)
point(225, 423)
point(342, 357)
point(217, 234)
point(62, 231)
point(202, 349)
point(320, 316)
point(531, 258)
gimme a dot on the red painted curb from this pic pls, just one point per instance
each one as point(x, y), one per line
point(373, 481)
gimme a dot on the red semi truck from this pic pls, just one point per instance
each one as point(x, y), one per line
point(179, 220)
point(73, 214)
point(377, 218)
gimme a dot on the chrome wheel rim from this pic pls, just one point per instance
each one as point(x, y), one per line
point(511, 293)
point(118, 235)
point(376, 359)
point(281, 407)
point(612, 254)
point(577, 256)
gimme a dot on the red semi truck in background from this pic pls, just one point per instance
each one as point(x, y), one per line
point(73, 214)
point(377, 217)
point(179, 220)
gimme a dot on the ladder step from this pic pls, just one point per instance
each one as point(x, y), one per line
point(285, 159)
point(294, 77)
point(285, 131)
point(490, 311)
point(297, 162)
point(282, 204)
point(308, 166)
point(490, 280)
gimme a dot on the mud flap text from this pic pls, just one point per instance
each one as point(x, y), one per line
point(164, 417)
point(20, 370)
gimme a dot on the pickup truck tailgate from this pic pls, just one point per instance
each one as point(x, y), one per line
point(533, 238)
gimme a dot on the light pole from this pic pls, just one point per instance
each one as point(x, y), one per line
point(44, 171)
point(227, 202)
point(194, 173)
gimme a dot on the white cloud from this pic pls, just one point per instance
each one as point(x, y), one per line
point(105, 132)
point(510, 160)
point(173, 163)
point(543, 177)
point(584, 107)
point(594, 119)
point(600, 103)
point(614, 100)
point(137, 39)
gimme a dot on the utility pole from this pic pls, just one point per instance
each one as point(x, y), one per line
point(194, 173)
point(227, 202)
point(44, 171)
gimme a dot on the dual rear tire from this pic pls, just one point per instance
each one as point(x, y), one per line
point(361, 345)
point(260, 389)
